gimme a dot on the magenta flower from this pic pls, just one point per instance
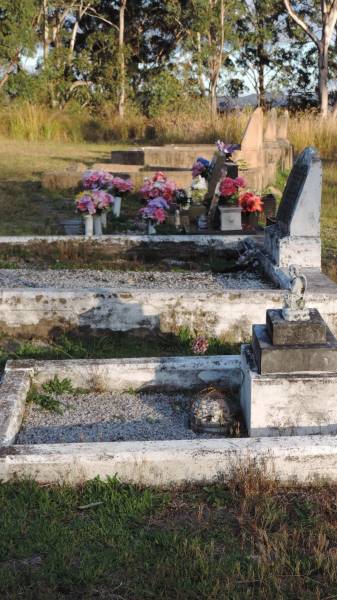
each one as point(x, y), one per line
point(200, 345)
point(121, 185)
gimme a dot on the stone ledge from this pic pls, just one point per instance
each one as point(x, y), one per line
point(13, 393)
point(302, 459)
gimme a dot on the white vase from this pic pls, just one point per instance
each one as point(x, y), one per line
point(230, 218)
point(116, 207)
point(88, 225)
point(151, 230)
point(104, 219)
point(97, 225)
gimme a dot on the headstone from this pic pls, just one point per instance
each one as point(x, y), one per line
point(282, 126)
point(295, 237)
point(253, 135)
point(271, 129)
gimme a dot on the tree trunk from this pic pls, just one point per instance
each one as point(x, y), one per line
point(200, 71)
point(73, 40)
point(121, 104)
point(261, 89)
point(323, 79)
point(214, 106)
point(46, 40)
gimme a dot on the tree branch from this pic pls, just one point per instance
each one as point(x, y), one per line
point(302, 23)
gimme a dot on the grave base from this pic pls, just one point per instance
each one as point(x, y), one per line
point(287, 404)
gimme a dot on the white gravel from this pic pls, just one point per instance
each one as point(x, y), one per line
point(88, 279)
point(109, 416)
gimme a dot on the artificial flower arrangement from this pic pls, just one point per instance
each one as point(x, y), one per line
point(250, 202)
point(116, 186)
point(182, 200)
point(227, 149)
point(159, 193)
point(229, 190)
point(197, 190)
point(93, 202)
point(203, 168)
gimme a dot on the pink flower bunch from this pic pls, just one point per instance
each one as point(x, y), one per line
point(199, 345)
point(121, 186)
point(95, 180)
point(155, 210)
point(94, 201)
point(229, 186)
point(158, 187)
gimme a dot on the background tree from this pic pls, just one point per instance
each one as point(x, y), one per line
point(326, 14)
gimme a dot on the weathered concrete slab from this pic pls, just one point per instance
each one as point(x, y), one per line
point(287, 404)
point(302, 459)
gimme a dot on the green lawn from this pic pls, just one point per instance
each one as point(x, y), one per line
point(251, 539)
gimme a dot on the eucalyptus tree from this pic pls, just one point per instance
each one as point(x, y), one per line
point(317, 19)
point(18, 33)
point(266, 57)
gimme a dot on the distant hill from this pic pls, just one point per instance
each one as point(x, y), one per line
point(225, 102)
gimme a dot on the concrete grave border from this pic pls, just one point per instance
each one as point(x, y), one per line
point(301, 458)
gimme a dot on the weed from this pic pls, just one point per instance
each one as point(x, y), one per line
point(58, 386)
point(45, 401)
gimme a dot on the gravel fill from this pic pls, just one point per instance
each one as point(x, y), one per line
point(89, 279)
point(108, 417)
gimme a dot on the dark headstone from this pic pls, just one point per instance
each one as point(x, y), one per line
point(285, 333)
point(299, 210)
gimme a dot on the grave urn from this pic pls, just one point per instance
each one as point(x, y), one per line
point(97, 225)
point(230, 218)
point(116, 207)
point(104, 219)
point(250, 220)
point(88, 225)
point(150, 228)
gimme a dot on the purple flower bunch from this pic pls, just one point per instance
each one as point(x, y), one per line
point(201, 167)
point(93, 201)
point(155, 210)
point(228, 149)
point(102, 180)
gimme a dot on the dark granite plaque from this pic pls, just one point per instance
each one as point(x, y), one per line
point(293, 189)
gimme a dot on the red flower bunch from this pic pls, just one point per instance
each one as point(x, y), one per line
point(250, 202)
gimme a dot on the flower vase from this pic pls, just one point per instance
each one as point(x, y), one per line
point(104, 219)
point(88, 225)
point(97, 225)
point(250, 220)
point(150, 229)
point(116, 207)
point(230, 218)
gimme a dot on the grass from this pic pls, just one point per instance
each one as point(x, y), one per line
point(75, 345)
point(249, 539)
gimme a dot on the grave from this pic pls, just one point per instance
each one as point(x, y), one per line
point(290, 370)
point(263, 150)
